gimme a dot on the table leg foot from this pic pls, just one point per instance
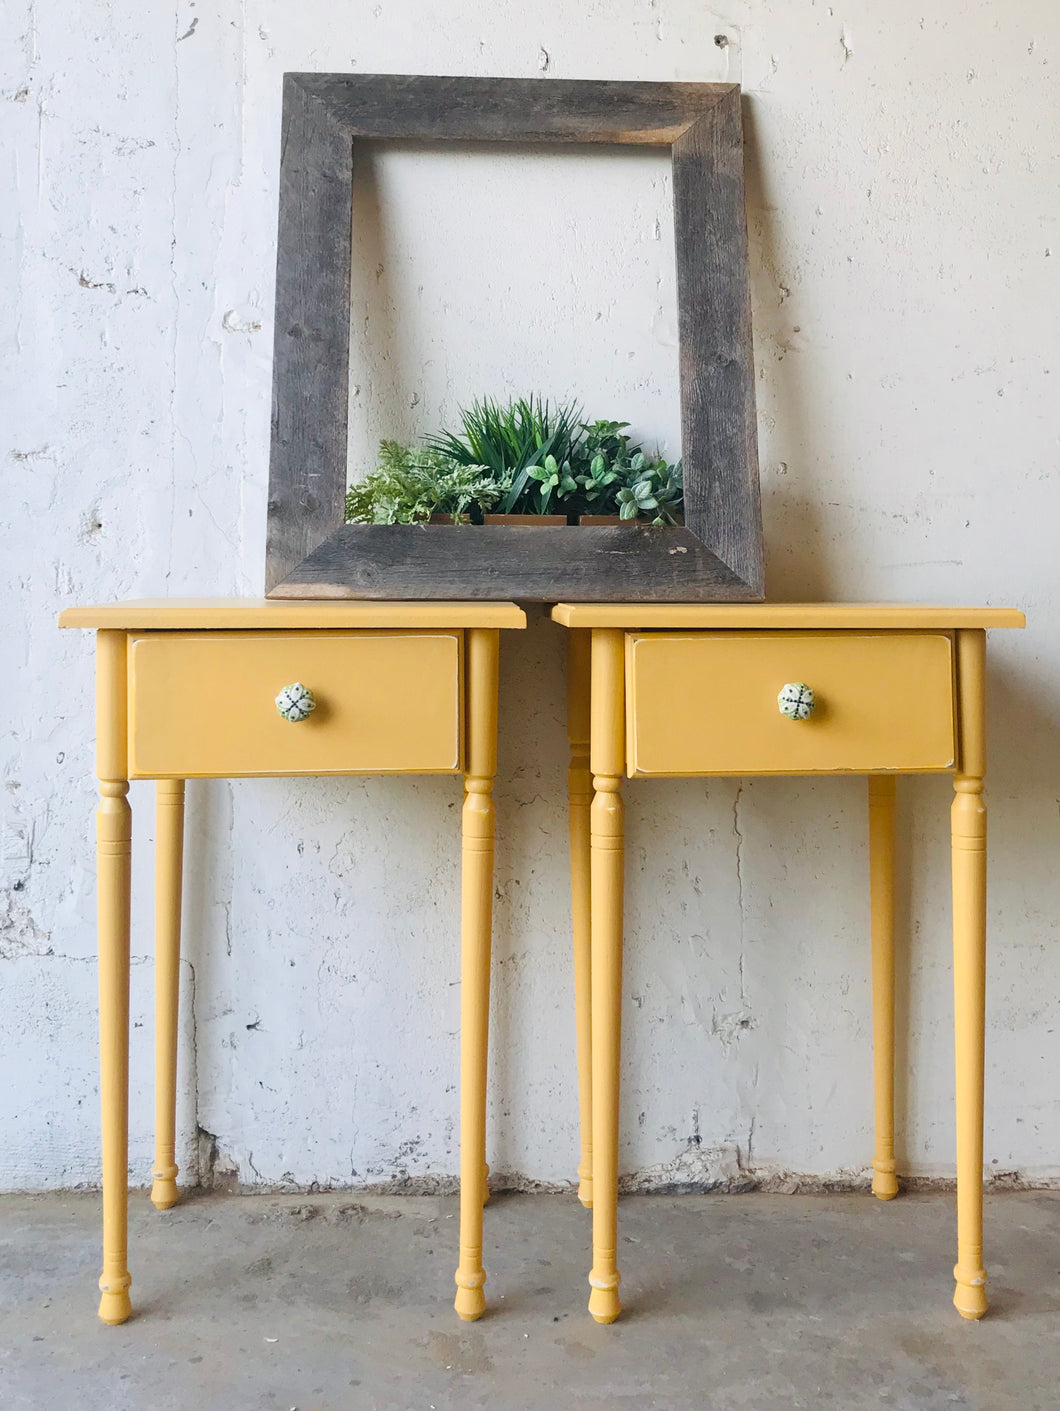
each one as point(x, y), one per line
point(884, 1180)
point(470, 1302)
point(969, 1297)
point(585, 1188)
point(604, 1302)
point(115, 1306)
point(164, 1190)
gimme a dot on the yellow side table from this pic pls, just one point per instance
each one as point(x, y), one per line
point(679, 690)
point(188, 689)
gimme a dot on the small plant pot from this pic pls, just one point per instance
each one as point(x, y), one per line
point(526, 521)
point(598, 521)
point(449, 519)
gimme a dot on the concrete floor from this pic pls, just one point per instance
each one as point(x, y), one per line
point(340, 1302)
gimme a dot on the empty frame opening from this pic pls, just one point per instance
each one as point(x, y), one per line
point(483, 269)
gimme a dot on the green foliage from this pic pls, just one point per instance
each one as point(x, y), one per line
point(652, 489)
point(514, 442)
point(521, 458)
point(411, 484)
point(621, 478)
point(599, 484)
point(668, 488)
point(606, 438)
point(552, 481)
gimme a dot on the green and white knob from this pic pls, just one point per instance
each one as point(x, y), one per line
point(296, 703)
point(795, 700)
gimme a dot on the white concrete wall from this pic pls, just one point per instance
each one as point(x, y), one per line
point(903, 208)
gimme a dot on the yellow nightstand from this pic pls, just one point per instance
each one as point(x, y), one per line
point(688, 689)
point(187, 689)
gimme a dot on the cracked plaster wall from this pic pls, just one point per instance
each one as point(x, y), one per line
point(903, 212)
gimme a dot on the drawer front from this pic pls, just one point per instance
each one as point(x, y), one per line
point(203, 704)
point(706, 703)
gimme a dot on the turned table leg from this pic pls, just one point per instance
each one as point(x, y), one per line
point(606, 845)
point(476, 916)
point(580, 795)
point(881, 888)
point(113, 854)
point(968, 837)
point(169, 863)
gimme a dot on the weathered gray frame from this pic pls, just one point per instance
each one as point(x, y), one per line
point(310, 551)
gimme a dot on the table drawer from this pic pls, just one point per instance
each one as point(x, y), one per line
point(706, 703)
point(203, 704)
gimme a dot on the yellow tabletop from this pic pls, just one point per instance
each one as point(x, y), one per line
point(778, 616)
point(195, 614)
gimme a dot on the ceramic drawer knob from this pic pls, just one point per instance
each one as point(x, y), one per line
point(795, 700)
point(296, 702)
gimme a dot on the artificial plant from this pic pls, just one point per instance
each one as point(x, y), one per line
point(521, 458)
point(410, 484)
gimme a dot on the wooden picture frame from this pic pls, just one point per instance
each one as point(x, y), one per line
point(310, 551)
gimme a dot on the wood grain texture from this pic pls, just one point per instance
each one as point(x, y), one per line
point(534, 565)
point(311, 345)
point(429, 108)
point(718, 427)
point(310, 553)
